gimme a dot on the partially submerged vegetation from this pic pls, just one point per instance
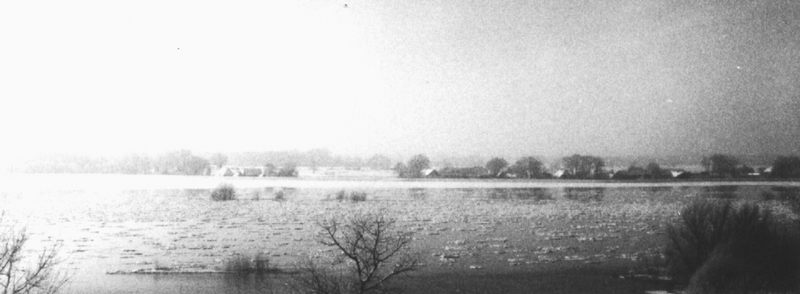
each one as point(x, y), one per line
point(353, 196)
point(223, 192)
point(590, 235)
point(279, 195)
point(373, 252)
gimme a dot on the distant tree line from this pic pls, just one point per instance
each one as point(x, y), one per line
point(415, 167)
point(786, 167)
point(180, 162)
point(285, 163)
point(419, 166)
point(578, 166)
point(314, 158)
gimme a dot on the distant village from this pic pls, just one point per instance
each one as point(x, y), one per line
point(322, 164)
point(573, 167)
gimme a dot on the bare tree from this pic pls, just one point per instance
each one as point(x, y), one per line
point(375, 252)
point(21, 276)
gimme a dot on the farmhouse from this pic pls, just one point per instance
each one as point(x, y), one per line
point(429, 173)
point(241, 171)
point(678, 174)
point(227, 171)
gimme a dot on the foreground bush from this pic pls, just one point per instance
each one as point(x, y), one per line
point(20, 275)
point(717, 247)
point(223, 192)
point(373, 253)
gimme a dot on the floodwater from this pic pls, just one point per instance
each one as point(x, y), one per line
point(132, 182)
point(124, 223)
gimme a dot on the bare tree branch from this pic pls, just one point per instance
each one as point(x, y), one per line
point(16, 278)
point(371, 242)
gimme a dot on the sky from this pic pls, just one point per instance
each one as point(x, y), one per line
point(509, 78)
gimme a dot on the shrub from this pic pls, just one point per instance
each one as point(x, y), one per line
point(358, 196)
point(786, 167)
point(340, 195)
point(223, 192)
point(280, 195)
point(375, 252)
point(718, 248)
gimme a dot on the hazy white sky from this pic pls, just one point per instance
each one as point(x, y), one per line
point(401, 77)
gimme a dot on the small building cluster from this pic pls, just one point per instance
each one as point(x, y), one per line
point(242, 171)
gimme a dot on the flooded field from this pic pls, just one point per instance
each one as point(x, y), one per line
point(113, 228)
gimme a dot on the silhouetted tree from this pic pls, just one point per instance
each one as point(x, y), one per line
point(706, 163)
point(181, 162)
point(463, 172)
point(416, 164)
point(315, 158)
point(654, 171)
point(401, 169)
point(528, 167)
point(134, 164)
point(379, 161)
point(269, 170)
point(786, 167)
point(496, 165)
point(744, 170)
point(580, 166)
point(632, 173)
point(218, 159)
point(195, 165)
point(722, 165)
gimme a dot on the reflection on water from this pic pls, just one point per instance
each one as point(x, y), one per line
point(659, 189)
point(417, 193)
point(187, 284)
point(423, 194)
point(534, 194)
point(720, 192)
point(151, 220)
point(249, 283)
point(584, 194)
point(787, 195)
point(537, 194)
point(193, 193)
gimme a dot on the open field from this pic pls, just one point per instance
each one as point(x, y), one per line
point(474, 236)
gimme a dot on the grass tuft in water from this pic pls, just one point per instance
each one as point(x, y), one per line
point(223, 192)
